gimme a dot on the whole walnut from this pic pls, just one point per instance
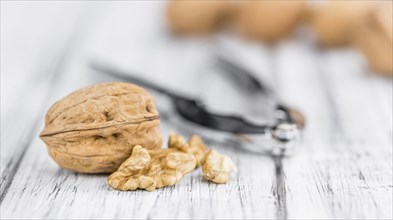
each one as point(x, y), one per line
point(375, 40)
point(195, 16)
point(336, 22)
point(94, 129)
point(268, 20)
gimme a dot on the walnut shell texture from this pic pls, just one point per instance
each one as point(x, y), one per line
point(217, 167)
point(94, 129)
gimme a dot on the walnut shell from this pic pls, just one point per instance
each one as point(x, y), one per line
point(336, 22)
point(217, 167)
point(269, 20)
point(94, 129)
point(375, 40)
point(196, 17)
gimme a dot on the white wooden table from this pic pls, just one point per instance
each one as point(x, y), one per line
point(343, 168)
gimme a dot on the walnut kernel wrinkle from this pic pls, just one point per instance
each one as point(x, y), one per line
point(94, 129)
point(217, 167)
point(152, 169)
point(195, 146)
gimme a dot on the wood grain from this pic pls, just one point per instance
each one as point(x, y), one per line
point(27, 64)
point(343, 168)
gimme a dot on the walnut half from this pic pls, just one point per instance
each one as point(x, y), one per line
point(195, 146)
point(217, 167)
point(152, 169)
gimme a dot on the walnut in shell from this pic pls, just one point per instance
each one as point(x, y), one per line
point(152, 169)
point(217, 167)
point(375, 40)
point(336, 22)
point(268, 20)
point(94, 129)
point(195, 16)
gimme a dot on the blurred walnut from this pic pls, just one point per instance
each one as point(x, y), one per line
point(336, 22)
point(195, 146)
point(268, 20)
point(195, 16)
point(152, 169)
point(384, 18)
point(375, 39)
point(217, 167)
point(94, 129)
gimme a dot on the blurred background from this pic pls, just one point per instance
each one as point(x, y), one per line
point(331, 60)
point(286, 45)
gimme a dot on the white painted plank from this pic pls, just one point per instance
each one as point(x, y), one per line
point(342, 170)
point(344, 166)
point(34, 38)
point(41, 189)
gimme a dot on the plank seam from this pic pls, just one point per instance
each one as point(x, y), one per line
point(63, 58)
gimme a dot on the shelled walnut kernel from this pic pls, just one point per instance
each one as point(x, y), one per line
point(152, 169)
point(195, 146)
point(217, 167)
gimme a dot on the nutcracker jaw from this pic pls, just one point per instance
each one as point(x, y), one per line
point(280, 139)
